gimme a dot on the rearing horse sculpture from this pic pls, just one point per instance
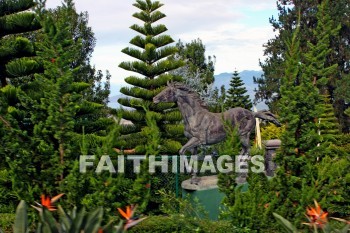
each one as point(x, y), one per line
point(205, 128)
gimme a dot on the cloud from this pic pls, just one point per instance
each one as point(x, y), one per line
point(232, 30)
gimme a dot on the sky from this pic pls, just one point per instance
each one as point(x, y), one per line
point(232, 30)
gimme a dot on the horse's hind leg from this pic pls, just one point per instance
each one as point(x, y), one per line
point(194, 150)
point(244, 135)
point(243, 158)
point(192, 143)
point(245, 141)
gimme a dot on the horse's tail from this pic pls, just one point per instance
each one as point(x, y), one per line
point(267, 116)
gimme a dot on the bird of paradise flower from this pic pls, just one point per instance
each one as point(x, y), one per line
point(316, 216)
point(47, 202)
point(128, 215)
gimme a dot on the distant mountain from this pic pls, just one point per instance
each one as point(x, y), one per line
point(115, 94)
point(113, 101)
point(246, 76)
point(220, 79)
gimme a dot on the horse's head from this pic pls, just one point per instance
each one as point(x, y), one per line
point(167, 95)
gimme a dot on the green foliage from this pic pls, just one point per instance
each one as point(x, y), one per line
point(217, 100)
point(152, 49)
point(170, 205)
point(141, 192)
point(305, 172)
point(92, 83)
point(308, 168)
point(237, 94)
point(107, 189)
point(6, 221)
point(42, 118)
point(285, 223)
point(341, 92)
point(21, 220)
point(317, 23)
point(198, 71)
point(15, 50)
point(179, 223)
point(271, 131)
point(244, 209)
point(73, 221)
point(231, 146)
point(248, 208)
point(343, 143)
point(300, 105)
point(290, 228)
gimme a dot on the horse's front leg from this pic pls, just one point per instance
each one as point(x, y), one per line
point(192, 144)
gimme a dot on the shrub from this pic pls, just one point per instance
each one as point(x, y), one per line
point(179, 223)
point(271, 131)
point(6, 221)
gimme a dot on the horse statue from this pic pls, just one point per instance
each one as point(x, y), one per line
point(203, 127)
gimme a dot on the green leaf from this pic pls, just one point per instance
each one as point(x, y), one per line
point(120, 227)
point(79, 86)
point(64, 217)
point(21, 67)
point(46, 228)
point(345, 229)
point(39, 228)
point(49, 221)
point(77, 222)
point(288, 226)
point(94, 221)
point(109, 228)
point(73, 213)
point(11, 94)
point(21, 220)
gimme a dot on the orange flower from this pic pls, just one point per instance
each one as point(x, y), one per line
point(47, 202)
point(129, 216)
point(129, 212)
point(316, 216)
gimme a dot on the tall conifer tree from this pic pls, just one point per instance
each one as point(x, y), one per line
point(15, 51)
point(322, 72)
point(151, 50)
point(42, 128)
point(275, 49)
point(91, 119)
point(237, 94)
point(304, 161)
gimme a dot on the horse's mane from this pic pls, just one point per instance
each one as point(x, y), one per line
point(190, 92)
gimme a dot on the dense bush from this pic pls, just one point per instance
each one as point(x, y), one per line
point(6, 221)
point(178, 223)
point(271, 131)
